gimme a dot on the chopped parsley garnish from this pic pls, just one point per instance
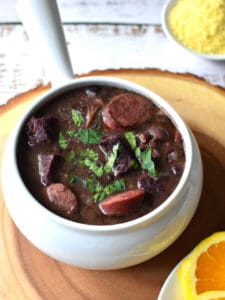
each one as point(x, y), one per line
point(100, 192)
point(70, 155)
point(135, 164)
point(74, 178)
point(89, 153)
point(98, 170)
point(71, 133)
point(145, 159)
point(138, 153)
point(111, 159)
point(90, 158)
point(89, 136)
point(77, 117)
point(116, 186)
point(90, 183)
point(130, 136)
point(63, 143)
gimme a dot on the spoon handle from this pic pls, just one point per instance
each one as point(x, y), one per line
point(42, 22)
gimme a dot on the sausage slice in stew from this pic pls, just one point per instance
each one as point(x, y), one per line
point(126, 111)
point(100, 155)
point(121, 204)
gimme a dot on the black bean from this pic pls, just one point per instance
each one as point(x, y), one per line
point(159, 133)
point(152, 184)
point(155, 154)
point(122, 164)
point(176, 169)
point(172, 156)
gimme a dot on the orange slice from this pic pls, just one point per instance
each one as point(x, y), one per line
point(202, 273)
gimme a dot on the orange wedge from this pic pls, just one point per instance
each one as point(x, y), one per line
point(202, 273)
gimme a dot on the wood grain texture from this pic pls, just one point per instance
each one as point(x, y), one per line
point(26, 273)
point(98, 47)
point(98, 11)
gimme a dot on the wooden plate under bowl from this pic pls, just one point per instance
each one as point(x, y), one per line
point(26, 273)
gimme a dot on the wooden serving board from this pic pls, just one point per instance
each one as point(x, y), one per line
point(26, 273)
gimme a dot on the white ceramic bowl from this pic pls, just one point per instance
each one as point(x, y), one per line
point(106, 246)
point(90, 246)
point(166, 28)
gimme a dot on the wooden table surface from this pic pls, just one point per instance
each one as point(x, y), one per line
point(26, 273)
point(104, 35)
point(100, 35)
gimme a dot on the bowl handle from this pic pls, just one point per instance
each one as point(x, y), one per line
point(42, 22)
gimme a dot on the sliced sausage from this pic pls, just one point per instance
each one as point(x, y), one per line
point(122, 203)
point(62, 199)
point(126, 111)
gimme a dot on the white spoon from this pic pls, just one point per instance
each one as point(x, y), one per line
point(42, 22)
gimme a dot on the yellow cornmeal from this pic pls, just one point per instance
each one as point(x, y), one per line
point(199, 25)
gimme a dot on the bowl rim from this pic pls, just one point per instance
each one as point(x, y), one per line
point(114, 82)
point(166, 28)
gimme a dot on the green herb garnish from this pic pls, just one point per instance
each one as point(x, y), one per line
point(71, 133)
point(89, 136)
point(131, 139)
point(98, 170)
point(90, 183)
point(147, 162)
point(145, 159)
point(138, 153)
point(89, 153)
point(70, 155)
point(100, 192)
point(111, 159)
point(77, 117)
point(63, 143)
point(135, 164)
point(74, 178)
point(116, 186)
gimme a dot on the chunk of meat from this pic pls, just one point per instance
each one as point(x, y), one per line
point(122, 203)
point(152, 184)
point(46, 163)
point(42, 130)
point(108, 141)
point(122, 164)
point(142, 138)
point(92, 110)
point(62, 199)
point(126, 110)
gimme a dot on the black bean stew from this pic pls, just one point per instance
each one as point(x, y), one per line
point(100, 155)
